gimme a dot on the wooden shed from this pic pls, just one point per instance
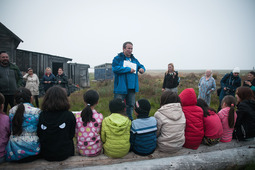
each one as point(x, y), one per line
point(39, 61)
point(9, 42)
point(103, 72)
point(79, 74)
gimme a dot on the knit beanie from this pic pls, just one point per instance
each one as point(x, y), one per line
point(236, 70)
point(142, 107)
point(117, 106)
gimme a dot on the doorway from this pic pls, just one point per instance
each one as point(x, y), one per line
point(55, 67)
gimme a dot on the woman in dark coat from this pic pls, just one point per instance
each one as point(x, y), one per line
point(171, 79)
point(61, 79)
point(48, 79)
point(245, 122)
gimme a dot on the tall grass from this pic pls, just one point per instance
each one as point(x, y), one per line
point(150, 88)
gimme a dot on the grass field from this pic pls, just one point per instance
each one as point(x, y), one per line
point(150, 88)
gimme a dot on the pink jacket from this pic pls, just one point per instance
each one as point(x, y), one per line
point(88, 135)
point(212, 126)
point(4, 132)
point(227, 131)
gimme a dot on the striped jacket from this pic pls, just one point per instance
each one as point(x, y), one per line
point(143, 136)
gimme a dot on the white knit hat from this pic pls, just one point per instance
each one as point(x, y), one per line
point(236, 70)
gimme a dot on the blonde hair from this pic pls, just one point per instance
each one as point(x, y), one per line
point(48, 68)
point(170, 64)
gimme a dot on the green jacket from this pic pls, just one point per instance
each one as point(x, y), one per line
point(115, 135)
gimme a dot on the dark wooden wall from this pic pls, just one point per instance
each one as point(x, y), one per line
point(79, 74)
point(103, 72)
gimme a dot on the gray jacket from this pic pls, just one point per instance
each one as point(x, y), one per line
point(10, 79)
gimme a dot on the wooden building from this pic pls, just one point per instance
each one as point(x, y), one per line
point(103, 72)
point(9, 42)
point(39, 61)
point(77, 73)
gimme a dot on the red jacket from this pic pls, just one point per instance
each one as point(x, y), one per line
point(212, 126)
point(194, 131)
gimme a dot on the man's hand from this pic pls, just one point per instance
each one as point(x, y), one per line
point(163, 89)
point(141, 70)
point(225, 88)
point(59, 82)
point(132, 70)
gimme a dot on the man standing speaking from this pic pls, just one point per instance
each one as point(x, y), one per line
point(126, 67)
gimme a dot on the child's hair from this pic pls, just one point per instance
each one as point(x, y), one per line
point(22, 95)
point(91, 97)
point(55, 99)
point(201, 103)
point(2, 99)
point(117, 106)
point(169, 97)
point(245, 93)
point(230, 101)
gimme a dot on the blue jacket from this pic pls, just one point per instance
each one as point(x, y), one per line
point(231, 83)
point(123, 79)
point(143, 136)
point(51, 78)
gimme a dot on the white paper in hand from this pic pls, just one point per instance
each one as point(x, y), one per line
point(130, 64)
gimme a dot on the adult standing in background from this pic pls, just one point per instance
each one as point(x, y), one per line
point(126, 67)
point(206, 86)
point(32, 83)
point(251, 81)
point(48, 79)
point(61, 79)
point(10, 79)
point(171, 79)
point(229, 83)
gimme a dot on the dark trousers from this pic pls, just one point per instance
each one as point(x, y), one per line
point(9, 99)
point(36, 100)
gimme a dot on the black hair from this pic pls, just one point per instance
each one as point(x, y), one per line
point(23, 95)
point(201, 103)
point(91, 98)
point(126, 43)
point(117, 106)
point(2, 99)
point(1, 52)
point(230, 101)
point(252, 72)
point(55, 100)
point(169, 96)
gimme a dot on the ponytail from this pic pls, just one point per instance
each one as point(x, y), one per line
point(17, 120)
point(91, 97)
point(23, 95)
point(86, 114)
point(231, 116)
point(230, 101)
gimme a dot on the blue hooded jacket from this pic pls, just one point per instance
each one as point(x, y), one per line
point(123, 78)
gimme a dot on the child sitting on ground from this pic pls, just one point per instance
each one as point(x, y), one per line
point(88, 126)
point(212, 124)
point(115, 132)
point(143, 130)
point(23, 145)
point(171, 123)
point(4, 129)
point(194, 131)
point(56, 127)
point(227, 116)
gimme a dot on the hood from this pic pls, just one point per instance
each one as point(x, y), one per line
point(123, 55)
point(118, 123)
point(172, 111)
point(188, 97)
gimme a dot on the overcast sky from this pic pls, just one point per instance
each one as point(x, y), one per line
point(193, 34)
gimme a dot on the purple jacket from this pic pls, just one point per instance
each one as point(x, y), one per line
point(4, 132)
